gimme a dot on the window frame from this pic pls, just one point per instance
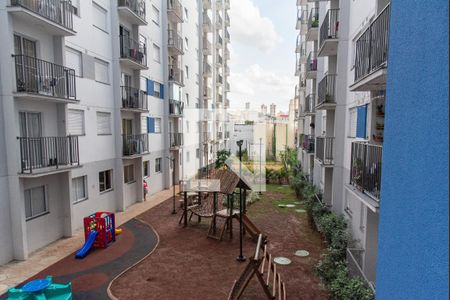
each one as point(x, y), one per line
point(86, 192)
point(158, 165)
point(154, 10)
point(158, 124)
point(104, 63)
point(47, 208)
point(108, 172)
point(80, 55)
point(129, 174)
point(146, 168)
point(83, 125)
point(110, 128)
point(156, 49)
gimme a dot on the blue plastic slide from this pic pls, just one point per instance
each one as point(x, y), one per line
point(88, 245)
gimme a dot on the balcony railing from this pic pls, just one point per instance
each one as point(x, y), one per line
point(175, 7)
point(207, 46)
point(133, 98)
point(219, 21)
point(134, 144)
point(133, 50)
point(219, 79)
point(207, 69)
point(311, 62)
point(308, 143)
point(58, 11)
point(324, 149)
point(365, 168)
point(354, 263)
point(219, 59)
point(326, 90)
point(227, 134)
point(176, 74)
point(48, 152)
point(175, 41)
point(136, 6)
point(372, 46)
point(207, 92)
point(176, 108)
point(310, 104)
point(330, 26)
point(41, 77)
point(313, 20)
point(176, 139)
point(227, 19)
point(207, 24)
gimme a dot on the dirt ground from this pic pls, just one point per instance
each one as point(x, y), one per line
point(188, 265)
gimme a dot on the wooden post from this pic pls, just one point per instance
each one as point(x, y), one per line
point(185, 209)
point(214, 212)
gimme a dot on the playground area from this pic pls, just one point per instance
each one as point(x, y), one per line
point(188, 265)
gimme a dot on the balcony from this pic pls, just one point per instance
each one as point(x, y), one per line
point(227, 103)
point(227, 86)
point(302, 21)
point(207, 69)
point(308, 143)
point(227, 70)
point(48, 154)
point(227, 4)
point(219, 41)
point(207, 4)
point(133, 11)
point(328, 41)
point(42, 80)
point(219, 4)
point(227, 19)
point(313, 25)
point(175, 43)
point(302, 84)
point(133, 54)
point(175, 11)
point(55, 16)
point(326, 92)
point(134, 145)
point(207, 24)
point(207, 92)
point(176, 108)
point(219, 22)
point(219, 60)
point(176, 140)
point(365, 168)
point(310, 105)
point(324, 150)
point(134, 99)
point(227, 54)
point(207, 46)
point(219, 79)
point(176, 75)
point(311, 65)
point(227, 36)
point(206, 137)
point(371, 55)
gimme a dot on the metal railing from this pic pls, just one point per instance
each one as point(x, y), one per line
point(207, 46)
point(330, 26)
point(219, 59)
point(219, 41)
point(310, 104)
point(227, 19)
point(176, 107)
point(219, 21)
point(354, 262)
point(311, 62)
point(134, 144)
point(58, 11)
point(207, 69)
point(324, 149)
point(175, 40)
point(176, 74)
point(308, 143)
point(372, 46)
point(136, 6)
point(134, 50)
point(326, 91)
point(38, 76)
point(133, 98)
point(207, 20)
point(47, 152)
point(365, 168)
point(313, 20)
point(219, 79)
point(176, 139)
point(175, 7)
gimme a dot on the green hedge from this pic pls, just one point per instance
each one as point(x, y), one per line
point(332, 267)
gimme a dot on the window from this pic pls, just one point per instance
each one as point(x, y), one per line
point(146, 168)
point(155, 15)
point(197, 153)
point(103, 123)
point(187, 71)
point(128, 174)
point(35, 202)
point(143, 124)
point(79, 191)
point(157, 89)
point(158, 165)
point(187, 99)
point(157, 125)
point(361, 120)
point(101, 71)
point(187, 156)
point(75, 122)
point(186, 43)
point(73, 60)
point(156, 53)
point(100, 17)
point(105, 181)
point(76, 7)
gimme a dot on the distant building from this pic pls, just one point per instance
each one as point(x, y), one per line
point(273, 109)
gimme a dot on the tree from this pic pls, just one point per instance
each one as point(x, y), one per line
point(222, 156)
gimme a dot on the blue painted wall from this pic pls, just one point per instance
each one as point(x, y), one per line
point(413, 234)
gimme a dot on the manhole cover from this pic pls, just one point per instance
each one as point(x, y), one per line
point(282, 260)
point(300, 210)
point(301, 253)
point(290, 205)
point(297, 202)
point(281, 205)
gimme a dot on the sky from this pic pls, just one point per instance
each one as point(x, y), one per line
point(262, 57)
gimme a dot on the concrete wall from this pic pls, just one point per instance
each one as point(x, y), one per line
point(413, 237)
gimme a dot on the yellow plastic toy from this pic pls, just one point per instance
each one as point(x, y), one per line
point(118, 231)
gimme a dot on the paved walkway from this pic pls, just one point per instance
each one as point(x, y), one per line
point(16, 272)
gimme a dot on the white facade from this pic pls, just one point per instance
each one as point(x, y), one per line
point(87, 113)
point(340, 109)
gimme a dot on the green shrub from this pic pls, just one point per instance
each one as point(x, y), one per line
point(343, 287)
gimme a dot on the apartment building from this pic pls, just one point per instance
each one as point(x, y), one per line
point(96, 97)
point(342, 65)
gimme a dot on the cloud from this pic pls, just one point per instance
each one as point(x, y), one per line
point(249, 28)
point(259, 86)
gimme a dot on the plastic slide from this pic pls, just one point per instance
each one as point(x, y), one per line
point(88, 245)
